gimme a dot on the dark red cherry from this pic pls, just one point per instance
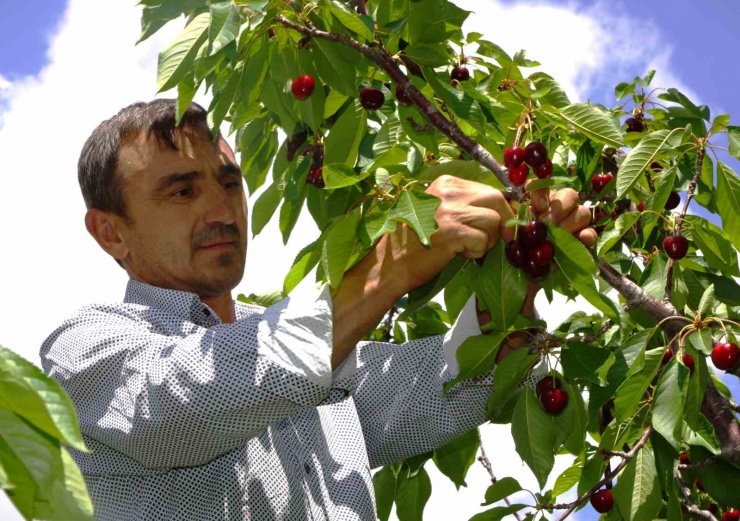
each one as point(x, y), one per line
point(302, 87)
point(725, 356)
point(542, 254)
point(535, 154)
point(673, 201)
point(535, 270)
point(533, 234)
point(554, 400)
point(634, 125)
point(515, 253)
point(402, 97)
point(460, 73)
point(371, 99)
point(602, 500)
point(518, 174)
point(641, 206)
point(688, 361)
point(599, 181)
point(548, 382)
point(676, 246)
point(544, 170)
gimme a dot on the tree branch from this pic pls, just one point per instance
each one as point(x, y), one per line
point(487, 465)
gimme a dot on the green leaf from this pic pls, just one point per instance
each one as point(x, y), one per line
point(306, 260)
point(334, 69)
point(717, 250)
point(638, 378)
point(224, 26)
point(595, 122)
point(534, 435)
point(38, 398)
point(498, 513)
point(733, 139)
point(728, 202)
point(637, 492)
point(177, 60)
point(337, 175)
point(721, 479)
point(417, 209)
point(360, 25)
point(586, 363)
point(500, 286)
point(568, 478)
point(384, 483)
point(156, 14)
point(455, 458)
point(475, 356)
point(613, 234)
point(504, 487)
point(338, 246)
point(641, 157)
point(579, 268)
point(668, 402)
point(264, 207)
point(344, 139)
point(508, 375)
point(412, 494)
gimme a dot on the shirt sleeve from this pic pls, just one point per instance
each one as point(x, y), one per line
point(185, 396)
point(400, 398)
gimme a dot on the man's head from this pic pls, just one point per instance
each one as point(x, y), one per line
point(166, 201)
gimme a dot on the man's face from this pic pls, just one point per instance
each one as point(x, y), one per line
point(189, 215)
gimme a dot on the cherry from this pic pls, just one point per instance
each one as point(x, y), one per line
point(542, 254)
point(460, 73)
point(547, 383)
point(634, 125)
point(688, 361)
point(673, 201)
point(725, 355)
point(698, 485)
point(599, 181)
point(712, 507)
point(676, 246)
point(731, 514)
point(371, 99)
point(535, 154)
point(684, 458)
point(294, 143)
point(315, 177)
point(518, 174)
point(513, 157)
point(533, 234)
point(554, 400)
point(601, 214)
point(641, 206)
point(667, 356)
point(402, 97)
point(544, 170)
point(571, 170)
point(302, 87)
point(535, 270)
point(602, 500)
point(515, 253)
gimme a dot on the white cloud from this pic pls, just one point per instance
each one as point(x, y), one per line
point(50, 266)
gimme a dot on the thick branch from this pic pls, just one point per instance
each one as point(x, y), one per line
point(435, 117)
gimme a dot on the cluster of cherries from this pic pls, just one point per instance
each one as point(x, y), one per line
point(725, 356)
point(303, 86)
point(518, 160)
point(531, 251)
point(315, 171)
point(552, 398)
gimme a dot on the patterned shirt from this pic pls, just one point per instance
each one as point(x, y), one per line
point(188, 418)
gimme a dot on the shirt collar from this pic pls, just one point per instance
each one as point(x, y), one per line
point(180, 303)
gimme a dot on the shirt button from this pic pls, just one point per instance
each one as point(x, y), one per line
point(307, 468)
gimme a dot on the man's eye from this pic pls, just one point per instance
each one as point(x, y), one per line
point(233, 184)
point(183, 192)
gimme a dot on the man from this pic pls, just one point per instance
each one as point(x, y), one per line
point(198, 407)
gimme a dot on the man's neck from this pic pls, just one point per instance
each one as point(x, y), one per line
point(223, 305)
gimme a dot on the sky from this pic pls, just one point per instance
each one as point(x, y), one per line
point(65, 65)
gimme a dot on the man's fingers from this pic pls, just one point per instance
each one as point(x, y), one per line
point(540, 199)
point(577, 220)
point(588, 237)
point(562, 204)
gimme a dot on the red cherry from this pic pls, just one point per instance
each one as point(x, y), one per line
point(547, 383)
point(535, 270)
point(316, 177)
point(601, 214)
point(554, 400)
point(667, 356)
point(634, 125)
point(518, 174)
point(513, 156)
point(676, 246)
point(535, 154)
point(544, 170)
point(712, 507)
point(688, 361)
point(302, 87)
point(641, 206)
point(673, 201)
point(599, 181)
point(460, 73)
point(542, 254)
point(698, 485)
point(684, 458)
point(725, 356)
point(533, 234)
point(602, 500)
point(731, 514)
point(371, 99)
point(402, 97)
point(515, 253)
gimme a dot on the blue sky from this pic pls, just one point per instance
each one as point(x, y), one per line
point(92, 69)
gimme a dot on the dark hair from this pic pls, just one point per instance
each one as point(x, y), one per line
point(101, 186)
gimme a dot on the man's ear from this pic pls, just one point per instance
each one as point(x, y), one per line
point(106, 229)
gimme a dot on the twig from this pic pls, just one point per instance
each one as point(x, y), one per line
point(689, 194)
point(688, 504)
point(483, 458)
point(587, 339)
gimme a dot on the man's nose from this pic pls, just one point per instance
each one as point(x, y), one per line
point(218, 205)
